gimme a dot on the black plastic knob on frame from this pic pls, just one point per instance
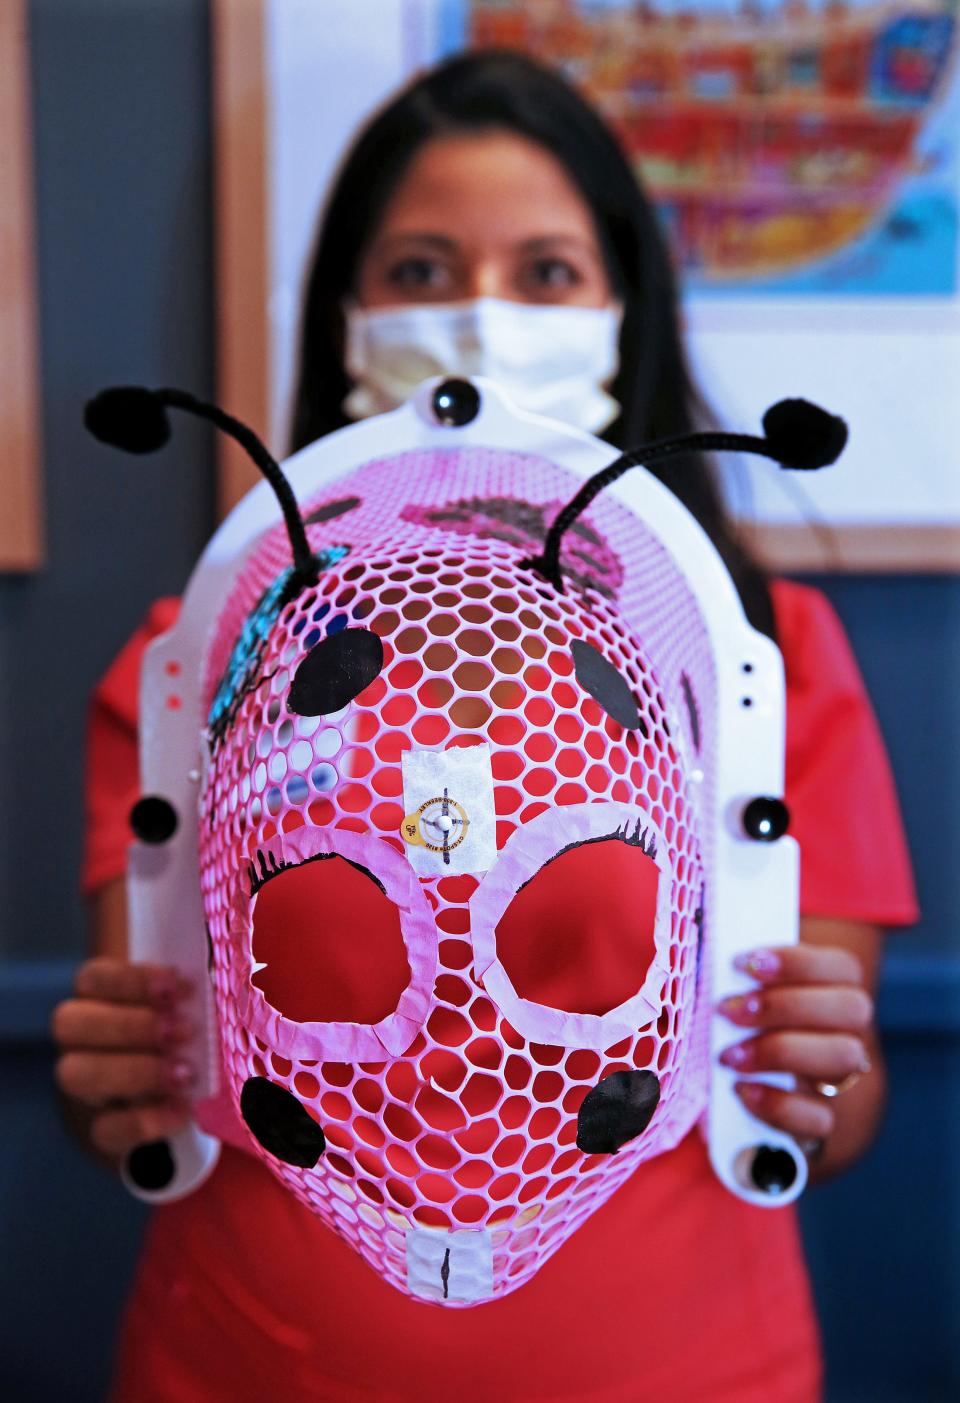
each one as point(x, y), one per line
point(153, 819)
point(455, 403)
point(766, 819)
point(151, 1166)
point(773, 1171)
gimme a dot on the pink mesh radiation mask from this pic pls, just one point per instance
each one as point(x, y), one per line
point(404, 748)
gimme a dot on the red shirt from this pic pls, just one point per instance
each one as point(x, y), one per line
point(674, 1290)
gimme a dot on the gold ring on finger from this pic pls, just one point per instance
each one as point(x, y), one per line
point(830, 1089)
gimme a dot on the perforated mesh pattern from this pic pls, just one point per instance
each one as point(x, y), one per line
point(473, 1126)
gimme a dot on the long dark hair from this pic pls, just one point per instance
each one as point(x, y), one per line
point(506, 91)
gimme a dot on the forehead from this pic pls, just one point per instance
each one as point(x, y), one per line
point(486, 189)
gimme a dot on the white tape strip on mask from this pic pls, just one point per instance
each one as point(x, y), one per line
point(450, 1266)
point(450, 824)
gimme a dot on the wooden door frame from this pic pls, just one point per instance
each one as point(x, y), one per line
point(21, 520)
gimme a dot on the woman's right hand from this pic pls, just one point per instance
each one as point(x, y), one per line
point(121, 1063)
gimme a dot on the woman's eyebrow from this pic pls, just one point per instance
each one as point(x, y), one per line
point(404, 237)
point(545, 242)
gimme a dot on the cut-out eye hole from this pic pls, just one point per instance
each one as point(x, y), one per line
point(335, 671)
point(329, 943)
point(598, 945)
point(605, 684)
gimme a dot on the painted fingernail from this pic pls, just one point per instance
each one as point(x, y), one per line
point(173, 1030)
point(736, 1056)
point(179, 1074)
point(749, 1092)
point(164, 988)
point(740, 1006)
point(167, 1028)
point(760, 963)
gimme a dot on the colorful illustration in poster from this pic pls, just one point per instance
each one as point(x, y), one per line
point(807, 146)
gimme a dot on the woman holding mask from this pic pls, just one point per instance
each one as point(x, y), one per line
point(486, 222)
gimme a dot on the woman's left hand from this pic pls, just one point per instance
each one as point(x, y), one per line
point(811, 1014)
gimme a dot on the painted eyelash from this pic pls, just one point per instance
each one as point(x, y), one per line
point(640, 838)
point(270, 868)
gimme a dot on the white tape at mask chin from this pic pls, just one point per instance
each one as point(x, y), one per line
point(450, 1266)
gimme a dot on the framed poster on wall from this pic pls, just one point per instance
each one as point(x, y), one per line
point(805, 160)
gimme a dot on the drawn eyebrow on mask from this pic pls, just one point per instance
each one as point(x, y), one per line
point(335, 670)
point(606, 685)
point(331, 510)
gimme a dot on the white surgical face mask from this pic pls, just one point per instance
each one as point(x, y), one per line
point(550, 360)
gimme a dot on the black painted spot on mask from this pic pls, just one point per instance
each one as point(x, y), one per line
point(280, 1123)
point(618, 1108)
point(151, 1166)
point(153, 819)
point(335, 671)
point(330, 510)
point(605, 684)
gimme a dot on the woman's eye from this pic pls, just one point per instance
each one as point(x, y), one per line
point(418, 274)
point(551, 275)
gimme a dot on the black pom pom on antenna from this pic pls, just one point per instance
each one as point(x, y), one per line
point(802, 435)
point(798, 435)
point(128, 417)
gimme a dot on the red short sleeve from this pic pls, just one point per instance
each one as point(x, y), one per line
point(854, 861)
point(112, 774)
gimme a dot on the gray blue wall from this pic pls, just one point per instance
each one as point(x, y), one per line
point(122, 136)
point(123, 165)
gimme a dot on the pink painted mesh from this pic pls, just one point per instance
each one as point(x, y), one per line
point(468, 1124)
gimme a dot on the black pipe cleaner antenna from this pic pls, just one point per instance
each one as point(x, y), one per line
point(798, 435)
point(135, 419)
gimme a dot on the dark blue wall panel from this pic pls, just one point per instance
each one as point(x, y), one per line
point(70, 1238)
point(122, 158)
point(905, 631)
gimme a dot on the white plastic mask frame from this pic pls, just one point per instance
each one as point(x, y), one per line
point(754, 891)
